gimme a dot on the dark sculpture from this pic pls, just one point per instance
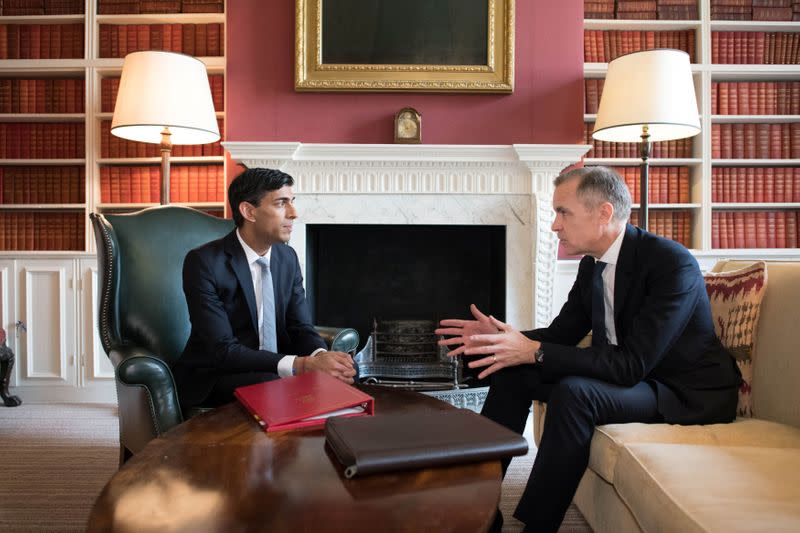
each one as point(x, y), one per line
point(6, 364)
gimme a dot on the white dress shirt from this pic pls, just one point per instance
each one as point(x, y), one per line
point(609, 276)
point(286, 363)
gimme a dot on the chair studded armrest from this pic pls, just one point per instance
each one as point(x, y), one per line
point(148, 399)
point(339, 339)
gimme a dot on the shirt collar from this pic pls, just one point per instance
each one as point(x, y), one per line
point(612, 254)
point(251, 254)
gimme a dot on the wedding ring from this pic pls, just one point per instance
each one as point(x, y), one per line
point(494, 358)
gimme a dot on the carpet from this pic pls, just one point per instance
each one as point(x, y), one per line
point(514, 484)
point(56, 458)
point(54, 461)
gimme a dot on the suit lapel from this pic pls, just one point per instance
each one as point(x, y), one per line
point(624, 273)
point(241, 269)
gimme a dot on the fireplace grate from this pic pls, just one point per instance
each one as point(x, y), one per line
point(405, 354)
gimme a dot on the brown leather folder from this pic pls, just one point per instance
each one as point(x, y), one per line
point(421, 439)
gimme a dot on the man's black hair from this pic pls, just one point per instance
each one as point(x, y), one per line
point(251, 186)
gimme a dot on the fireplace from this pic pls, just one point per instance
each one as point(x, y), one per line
point(360, 275)
point(356, 273)
point(504, 187)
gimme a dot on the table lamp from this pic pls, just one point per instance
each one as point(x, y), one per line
point(648, 96)
point(164, 98)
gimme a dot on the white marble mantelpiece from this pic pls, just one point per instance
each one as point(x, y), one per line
point(509, 185)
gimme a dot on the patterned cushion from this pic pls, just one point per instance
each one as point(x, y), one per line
point(735, 302)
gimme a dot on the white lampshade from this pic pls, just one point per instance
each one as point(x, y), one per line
point(164, 89)
point(653, 88)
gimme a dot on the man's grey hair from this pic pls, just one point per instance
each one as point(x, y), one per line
point(598, 185)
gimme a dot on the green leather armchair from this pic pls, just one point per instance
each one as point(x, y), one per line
point(143, 318)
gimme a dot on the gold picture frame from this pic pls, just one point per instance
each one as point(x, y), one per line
point(496, 75)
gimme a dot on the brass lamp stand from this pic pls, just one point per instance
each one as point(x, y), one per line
point(166, 150)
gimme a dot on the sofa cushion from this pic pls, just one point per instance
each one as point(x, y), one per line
point(776, 395)
point(683, 487)
point(609, 440)
point(735, 303)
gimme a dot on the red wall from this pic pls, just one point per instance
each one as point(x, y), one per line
point(546, 106)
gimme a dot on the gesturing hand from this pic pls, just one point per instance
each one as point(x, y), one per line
point(502, 347)
point(337, 364)
point(464, 331)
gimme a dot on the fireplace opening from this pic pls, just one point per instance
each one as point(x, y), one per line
point(358, 275)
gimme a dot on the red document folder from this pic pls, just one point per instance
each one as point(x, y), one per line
point(303, 401)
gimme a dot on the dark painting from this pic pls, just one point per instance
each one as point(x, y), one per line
point(405, 32)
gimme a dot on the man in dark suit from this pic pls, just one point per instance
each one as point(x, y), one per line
point(654, 355)
point(247, 306)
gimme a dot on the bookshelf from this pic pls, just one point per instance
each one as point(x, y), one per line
point(127, 171)
point(735, 193)
point(57, 91)
point(52, 110)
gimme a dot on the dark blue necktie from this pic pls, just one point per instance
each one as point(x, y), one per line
point(598, 306)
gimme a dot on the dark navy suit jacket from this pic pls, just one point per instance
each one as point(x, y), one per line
point(222, 310)
point(664, 332)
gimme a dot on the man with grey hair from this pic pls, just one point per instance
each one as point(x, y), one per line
point(654, 356)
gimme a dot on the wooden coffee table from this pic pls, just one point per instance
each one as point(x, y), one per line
point(220, 471)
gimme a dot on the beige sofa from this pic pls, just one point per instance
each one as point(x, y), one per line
point(743, 476)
